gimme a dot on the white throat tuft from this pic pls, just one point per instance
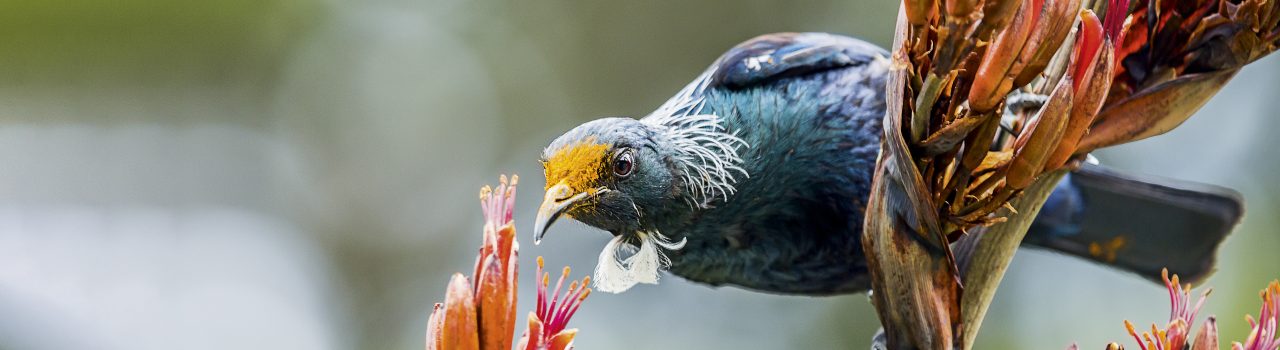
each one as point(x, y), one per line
point(615, 274)
point(707, 156)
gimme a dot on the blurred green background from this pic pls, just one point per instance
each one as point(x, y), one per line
point(298, 174)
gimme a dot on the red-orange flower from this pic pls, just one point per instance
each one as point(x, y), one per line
point(480, 314)
point(1263, 335)
point(1181, 317)
point(547, 323)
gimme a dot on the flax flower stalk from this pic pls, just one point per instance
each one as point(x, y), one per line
point(951, 166)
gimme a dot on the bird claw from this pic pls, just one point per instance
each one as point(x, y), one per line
point(879, 341)
point(1019, 104)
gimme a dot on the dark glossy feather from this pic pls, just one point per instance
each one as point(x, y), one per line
point(810, 107)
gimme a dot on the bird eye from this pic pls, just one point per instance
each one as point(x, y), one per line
point(623, 165)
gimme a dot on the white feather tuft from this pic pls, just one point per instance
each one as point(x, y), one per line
point(708, 154)
point(616, 275)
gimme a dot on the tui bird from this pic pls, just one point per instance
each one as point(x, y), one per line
point(757, 175)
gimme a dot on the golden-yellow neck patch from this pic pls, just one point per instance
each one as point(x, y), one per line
point(579, 165)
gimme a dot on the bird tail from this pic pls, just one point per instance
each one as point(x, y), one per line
point(1138, 224)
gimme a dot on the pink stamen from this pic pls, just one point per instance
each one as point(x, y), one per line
point(1200, 303)
point(572, 301)
point(555, 310)
point(555, 296)
point(558, 313)
point(1129, 326)
point(511, 199)
point(1263, 335)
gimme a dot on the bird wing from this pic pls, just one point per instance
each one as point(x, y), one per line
point(767, 58)
point(774, 56)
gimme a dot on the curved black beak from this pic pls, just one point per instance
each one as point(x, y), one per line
point(558, 199)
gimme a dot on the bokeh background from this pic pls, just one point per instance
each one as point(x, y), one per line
point(299, 174)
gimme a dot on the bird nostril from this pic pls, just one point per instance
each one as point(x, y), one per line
point(559, 193)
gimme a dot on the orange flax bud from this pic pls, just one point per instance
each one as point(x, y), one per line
point(1088, 41)
point(459, 329)
point(507, 245)
point(495, 301)
point(513, 289)
point(1089, 100)
point(990, 84)
point(511, 274)
point(435, 326)
point(1045, 40)
point(1040, 138)
point(532, 338)
point(562, 340)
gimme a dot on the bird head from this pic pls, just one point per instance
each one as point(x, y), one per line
point(633, 178)
point(607, 173)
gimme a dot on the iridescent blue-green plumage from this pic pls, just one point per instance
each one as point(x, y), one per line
point(808, 109)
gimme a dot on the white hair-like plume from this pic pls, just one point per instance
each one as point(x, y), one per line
point(709, 163)
point(707, 153)
point(615, 274)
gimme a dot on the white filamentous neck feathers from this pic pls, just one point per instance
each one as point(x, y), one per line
point(707, 156)
point(707, 153)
